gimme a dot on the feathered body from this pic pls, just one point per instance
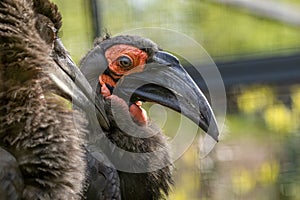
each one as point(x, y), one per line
point(150, 185)
point(36, 125)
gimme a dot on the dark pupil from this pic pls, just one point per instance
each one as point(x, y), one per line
point(124, 62)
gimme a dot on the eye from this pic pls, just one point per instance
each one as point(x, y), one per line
point(46, 29)
point(48, 34)
point(124, 62)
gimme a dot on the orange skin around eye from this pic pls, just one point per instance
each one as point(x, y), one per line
point(138, 58)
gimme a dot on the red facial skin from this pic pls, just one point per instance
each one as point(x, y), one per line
point(137, 58)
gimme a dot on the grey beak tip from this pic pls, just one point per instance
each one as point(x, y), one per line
point(214, 133)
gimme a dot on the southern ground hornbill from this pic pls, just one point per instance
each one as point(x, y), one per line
point(41, 150)
point(125, 71)
point(47, 150)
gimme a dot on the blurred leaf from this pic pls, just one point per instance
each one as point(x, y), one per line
point(279, 118)
point(296, 99)
point(255, 99)
point(268, 173)
point(76, 31)
point(242, 181)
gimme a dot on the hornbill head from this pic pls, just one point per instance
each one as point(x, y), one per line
point(67, 76)
point(137, 70)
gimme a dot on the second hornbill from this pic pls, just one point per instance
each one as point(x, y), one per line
point(42, 155)
point(125, 71)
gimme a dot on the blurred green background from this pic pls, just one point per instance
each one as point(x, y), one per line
point(258, 156)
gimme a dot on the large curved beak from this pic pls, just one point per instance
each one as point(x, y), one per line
point(74, 85)
point(165, 81)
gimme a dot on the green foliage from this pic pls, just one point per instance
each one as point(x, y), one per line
point(76, 31)
point(271, 128)
point(277, 116)
point(255, 98)
point(223, 31)
point(220, 29)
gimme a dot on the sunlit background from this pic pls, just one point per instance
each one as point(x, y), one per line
point(256, 46)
